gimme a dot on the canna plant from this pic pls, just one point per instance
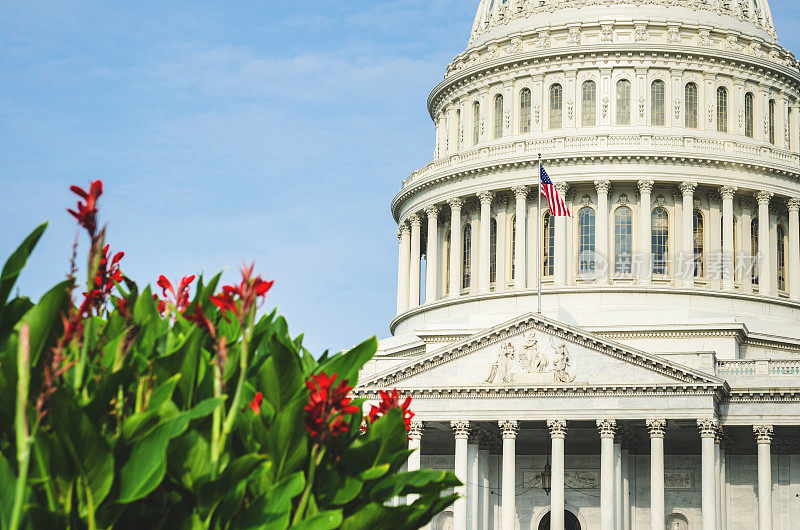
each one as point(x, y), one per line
point(127, 408)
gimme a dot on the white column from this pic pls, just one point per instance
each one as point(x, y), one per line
point(713, 241)
point(773, 249)
point(723, 482)
point(501, 205)
point(509, 430)
point(608, 429)
point(728, 259)
point(708, 430)
point(626, 490)
point(794, 248)
point(646, 261)
point(414, 459)
point(764, 439)
point(685, 273)
point(520, 236)
point(432, 254)
point(764, 262)
point(617, 484)
point(558, 431)
point(603, 261)
point(533, 255)
point(656, 428)
point(483, 240)
point(403, 267)
point(483, 481)
point(461, 433)
point(413, 276)
point(746, 263)
point(717, 474)
point(472, 485)
point(560, 272)
point(455, 246)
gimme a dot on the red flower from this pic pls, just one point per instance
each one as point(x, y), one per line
point(198, 317)
point(391, 401)
point(178, 299)
point(86, 213)
point(327, 408)
point(123, 306)
point(248, 292)
point(256, 403)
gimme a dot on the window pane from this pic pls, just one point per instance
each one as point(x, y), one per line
point(623, 240)
point(446, 263)
point(548, 252)
point(698, 244)
point(624, 102)
point(525, 111)
point(722, 109)
point(659, 240)
point(781, 259)
point(498, 116)
point(586, 240)
point(555, 106)
point(493, 250)
point(772, 121)
point(465, 257)
point(691, 106)
point(749, 115)
point(657, 103)
point(513, 244)
point(589, 107)
point(754, 249)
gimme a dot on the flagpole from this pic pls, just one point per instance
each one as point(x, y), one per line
point(538, 237)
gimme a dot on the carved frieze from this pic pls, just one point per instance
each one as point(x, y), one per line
point(524, 360)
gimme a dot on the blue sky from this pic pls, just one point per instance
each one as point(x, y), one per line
point(229, 131)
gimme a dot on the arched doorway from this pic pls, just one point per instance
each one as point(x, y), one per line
point(570, 521)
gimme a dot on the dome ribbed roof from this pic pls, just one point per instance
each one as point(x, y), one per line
point(499, 18)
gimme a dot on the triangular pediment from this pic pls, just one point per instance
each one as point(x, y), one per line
point(535, 351)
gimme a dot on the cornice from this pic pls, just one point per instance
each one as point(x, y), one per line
point(475, 392)
point(766, 395)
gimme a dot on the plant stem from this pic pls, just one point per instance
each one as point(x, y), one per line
point(21, 424)
point(216, 419)
point(317, 453)
point(244, 353)
point(80, 366)
point(44, 471)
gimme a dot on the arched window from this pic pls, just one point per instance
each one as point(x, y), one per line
point(781, 258)
point(513, 243)
point(466, 263)
point(722, 109)
point(754, 250)
point(589, 104)
point(697, 220)
point(585, 240)
point(789, 127)
point(749, 115)
point(549, 247)
point(659, 239)
point(658, 98)
point(623, 240)
point(623, 102)
point(691, 106)
point(772, 121)
point(498, 116)
point(492, 250)
point(459, 125)
point(556, 106)
point(525, 111)
point(476, 123)
point(446, 263)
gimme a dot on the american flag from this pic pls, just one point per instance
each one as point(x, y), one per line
point(554, 200)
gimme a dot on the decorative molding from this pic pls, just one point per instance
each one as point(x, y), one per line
point(415, 431)
point(607, 428)
point(708, 427)
point(485, 196)
point(460, 428)
point(519, 191)
point(558, 428)
point(455, 203)
point(645, 186)
point(602, 186)
point(763, 433)
point(508, 428)
point(763, 197)
point(728, 192)
point(656, 428)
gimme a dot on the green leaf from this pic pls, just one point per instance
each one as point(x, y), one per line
point(45, 317)
point(163, 392)
point(16, 262)
point(347, 365)
point(272, 510)
point(327, 520)
point(8, 483)
point(280, 378)
point(374, 472)
point(146, 466)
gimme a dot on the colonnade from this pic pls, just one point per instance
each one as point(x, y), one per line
point(471, 510)
point(727, 258)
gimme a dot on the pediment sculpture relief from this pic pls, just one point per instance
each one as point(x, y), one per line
point(526, 361)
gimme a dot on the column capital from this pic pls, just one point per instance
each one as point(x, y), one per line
point(485, 196)
point(708, 427)
point(656, 427)
point(415, 430)
point(688, 187)
point(432, 211)
point(460, 428)
point(793, 204)
point(403, 228)
point(558, 428)
point(763, 197)
point(607, 428)
point(763, 433)
point(562, 188)
point(602, 186)
point(520, 191)
point(646, 186)
point(455, 203)
point(509, 428)
point(414, 220)
point(728, 192)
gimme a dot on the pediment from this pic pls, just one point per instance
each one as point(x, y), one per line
point(535, 351)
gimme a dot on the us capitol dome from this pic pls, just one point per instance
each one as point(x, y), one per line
point(658, 385)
